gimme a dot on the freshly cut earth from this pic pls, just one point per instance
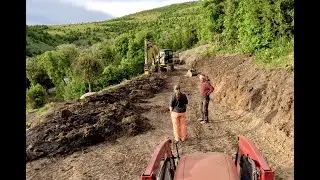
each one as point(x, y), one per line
point(112, 134)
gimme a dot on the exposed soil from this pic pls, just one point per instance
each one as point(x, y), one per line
point(73, 126)
point(126, 156)
point(244, 85)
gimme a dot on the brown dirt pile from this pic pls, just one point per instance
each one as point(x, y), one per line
point(75, 125)
point(243, 85)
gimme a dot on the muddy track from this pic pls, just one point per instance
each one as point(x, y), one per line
point(127, 157)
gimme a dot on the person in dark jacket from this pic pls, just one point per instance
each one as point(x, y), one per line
point(178, 108)
point(205, 90)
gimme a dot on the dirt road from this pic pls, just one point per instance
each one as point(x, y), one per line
point(127, 158)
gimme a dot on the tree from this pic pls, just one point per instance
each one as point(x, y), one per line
point(57, 64)
point(104, 51)
point(284, 18)
point(121, 45)
point(230, 29)
point(214, 13)
point(88, 68)
point(36, 96)
point(35, 72)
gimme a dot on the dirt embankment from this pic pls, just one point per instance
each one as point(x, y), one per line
point(241, 84)
point(127, 157)
point(75, 125)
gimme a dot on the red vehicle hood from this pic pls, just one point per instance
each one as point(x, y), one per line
point(202, 166)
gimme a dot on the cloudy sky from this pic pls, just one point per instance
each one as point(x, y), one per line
point(76, 11)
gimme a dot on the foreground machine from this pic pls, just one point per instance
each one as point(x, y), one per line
point(248, 164)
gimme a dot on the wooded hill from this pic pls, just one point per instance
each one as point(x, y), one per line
point(101, 54)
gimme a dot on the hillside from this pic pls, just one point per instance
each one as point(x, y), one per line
point(177, 16)
point(116, 43)
point(245, 47)
point(226, 26)
point(113, 134)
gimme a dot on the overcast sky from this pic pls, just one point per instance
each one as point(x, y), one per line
point(76, 11)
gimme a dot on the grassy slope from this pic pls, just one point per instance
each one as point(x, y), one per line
point(43, 38)
point(169, 17)
point(172, 16)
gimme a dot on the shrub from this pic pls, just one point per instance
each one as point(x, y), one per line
point(88, 68)
point(75, 89)
point(36, 96)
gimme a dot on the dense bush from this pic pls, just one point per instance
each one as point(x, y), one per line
point(36, 96)
point(114, 74)
point(250, 25)
point(74, 89)
point(37, 74)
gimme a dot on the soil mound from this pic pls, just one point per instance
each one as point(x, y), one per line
point(102, 117)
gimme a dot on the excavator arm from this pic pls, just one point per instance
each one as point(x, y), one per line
point(155, 52)
point(150, 61)
point(154, 62)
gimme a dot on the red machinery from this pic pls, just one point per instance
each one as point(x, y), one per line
point(248, 164)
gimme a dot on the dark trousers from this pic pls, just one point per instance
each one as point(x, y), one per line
point(204, 103)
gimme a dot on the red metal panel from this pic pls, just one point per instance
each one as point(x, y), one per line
point(163, 150)
point(210, 165)
point(247, 148)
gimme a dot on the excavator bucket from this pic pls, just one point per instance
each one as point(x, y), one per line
point(146, 69)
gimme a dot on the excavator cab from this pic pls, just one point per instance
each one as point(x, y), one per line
point(165, 57)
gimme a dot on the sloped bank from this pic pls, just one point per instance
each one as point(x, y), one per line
point(72, 126)
point(241, 84)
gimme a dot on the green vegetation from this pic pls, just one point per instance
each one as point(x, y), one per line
point(264, 28)
point(36, 96)
point(66, 54)
point(88, 68)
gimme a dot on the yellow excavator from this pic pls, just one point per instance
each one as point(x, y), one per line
point(156, 60)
